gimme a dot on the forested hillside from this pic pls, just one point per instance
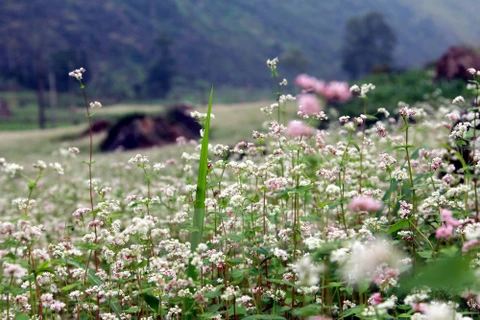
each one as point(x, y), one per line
point(139, 48)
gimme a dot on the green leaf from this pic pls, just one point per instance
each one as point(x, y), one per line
point(447, 273)
point(310, 310)
point(261, 250)
point(426, 254)
point(353, 310)
point(398, 226)
point(42, 270)
point(199, 213)
point(234, 237)
point(133, 309)
point(333, 285)
point(71, 286)
point(392, 188)
point(213, 294)
point(284, 282)
point(152, 301)
point(354, 144)
point(21, 316)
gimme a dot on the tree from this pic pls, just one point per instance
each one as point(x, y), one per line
point(368, 42)
point(161, 71)
point(295, 60)
point(26, 46)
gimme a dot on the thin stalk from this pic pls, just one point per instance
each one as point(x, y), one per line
point(474, 149)
point(410, 172)
point(364, 125)
point(90, 144)
point(90, 162)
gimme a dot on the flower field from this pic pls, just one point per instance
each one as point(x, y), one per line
point(375, 217)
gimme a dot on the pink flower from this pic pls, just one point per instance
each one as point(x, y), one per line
point(332, 91)
point(364, 203)
point(14, 270)
point(375, 299)
point(444, 232)
point(419, 307)
point(467, 245)
point(308, 83)
point(336, 91)
point(446, 216)
point(308, 104)
point(298, 128)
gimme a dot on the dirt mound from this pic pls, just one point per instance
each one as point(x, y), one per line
point(5, 109)
point(455, 62)
point(141, 131)
point(98, 126)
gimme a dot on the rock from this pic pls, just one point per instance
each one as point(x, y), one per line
point(141, 131)
point(454, 63)
point(98, 126)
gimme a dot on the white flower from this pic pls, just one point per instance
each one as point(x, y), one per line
point(14, 270)
point(384, 111)
point(442, 311)
point(201, 116)
point(138, 160)
point(355, 89)
point(12, 168)
point(77, 73)
point(340, 255)
point(95, 105)
point(458, 100)
point(158, 166)
point(57, 167)
point(281, 254)
point(365, 89)
point(73, 150)
point(472, 71)
point(41, 165)
point(308, 272)
point(272, 64)
point(365, 258)
point(236, 200)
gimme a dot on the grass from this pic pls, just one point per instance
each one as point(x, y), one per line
point(232, 123)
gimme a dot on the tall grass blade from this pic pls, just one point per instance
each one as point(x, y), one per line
point(199, 214)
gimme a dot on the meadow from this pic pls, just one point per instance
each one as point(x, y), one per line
point(266, 217)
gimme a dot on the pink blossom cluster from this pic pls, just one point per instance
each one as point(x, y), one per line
point(298, 128)
point(364, 203)
point(308, 104)
point(446, 230)
point(337, 91)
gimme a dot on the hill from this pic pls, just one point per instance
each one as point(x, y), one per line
point(126, 44)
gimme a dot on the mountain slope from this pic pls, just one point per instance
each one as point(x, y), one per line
point(220, 42)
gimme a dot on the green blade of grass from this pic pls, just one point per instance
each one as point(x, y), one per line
point(199, 214)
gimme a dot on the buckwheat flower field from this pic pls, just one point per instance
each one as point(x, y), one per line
point(376, 217)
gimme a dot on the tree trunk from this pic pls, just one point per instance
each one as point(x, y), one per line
point(52, 94)
point(42, 119)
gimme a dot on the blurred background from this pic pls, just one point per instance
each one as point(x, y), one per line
point(154, 53)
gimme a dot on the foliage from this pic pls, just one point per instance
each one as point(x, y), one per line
point(411, 86)
point(369, 41)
